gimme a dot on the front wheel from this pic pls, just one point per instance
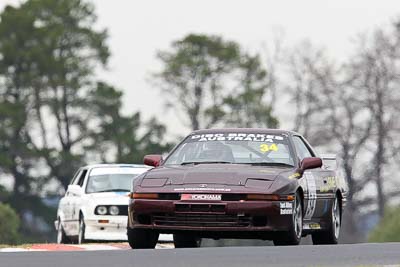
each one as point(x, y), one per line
point(81, 234)
point(142, 238)
point(331, 236)
point(293, 236)
point(186, 241)
point(62, 238)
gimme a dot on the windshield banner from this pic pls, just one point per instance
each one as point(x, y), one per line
point(236, 137)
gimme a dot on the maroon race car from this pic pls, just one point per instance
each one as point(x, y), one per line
point(237, 183)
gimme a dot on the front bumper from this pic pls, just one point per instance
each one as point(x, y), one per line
point(169, 216)
point(106, 228)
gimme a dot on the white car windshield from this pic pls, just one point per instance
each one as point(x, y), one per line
point(240, 148)
point(109, 183)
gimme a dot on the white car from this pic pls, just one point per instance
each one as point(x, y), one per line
point(95, 206)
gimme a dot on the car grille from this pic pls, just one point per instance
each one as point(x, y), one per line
point(201, 220)
point(215, 208)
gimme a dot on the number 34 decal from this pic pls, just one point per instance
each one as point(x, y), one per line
point(265, 147)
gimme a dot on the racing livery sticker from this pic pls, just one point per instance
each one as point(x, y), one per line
point(312, 195)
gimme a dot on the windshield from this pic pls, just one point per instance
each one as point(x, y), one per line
point(242, 148)
point(109, 183)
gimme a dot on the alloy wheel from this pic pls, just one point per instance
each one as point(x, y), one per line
point(298, 218)
point(336, 218)
point(81, 231)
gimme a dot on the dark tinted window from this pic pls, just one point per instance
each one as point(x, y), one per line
point(82, 177)
point(76, 175)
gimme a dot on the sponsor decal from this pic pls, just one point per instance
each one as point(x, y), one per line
point(237, 137)
point(294, 175)
point(312, 195)
point(202, 189)
point(286, 208)
point(201, 197)
point(312, 226)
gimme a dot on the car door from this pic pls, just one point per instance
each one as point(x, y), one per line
point(315, 179)
point(65, 208)
point(76, 200)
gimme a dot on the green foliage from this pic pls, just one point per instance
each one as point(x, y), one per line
point(247, 106)
point(212, 81)
point(9, 225)
point(52, 109)
point(127, 135)
point(388, 229)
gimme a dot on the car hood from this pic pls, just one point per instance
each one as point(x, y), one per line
point(224, 174)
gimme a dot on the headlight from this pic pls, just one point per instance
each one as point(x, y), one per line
point(114, 210)
point(101, 210)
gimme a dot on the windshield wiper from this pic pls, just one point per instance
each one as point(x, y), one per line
point(270, 164)
point(113, 190)
point(205, 162)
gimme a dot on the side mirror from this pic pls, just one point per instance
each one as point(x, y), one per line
point(75, 190)
point(152, 160)
point(310, 163)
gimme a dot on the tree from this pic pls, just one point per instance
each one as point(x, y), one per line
point(48, 53)
point(128, 137)
point(199, 80)
point(246, 105)
point(17, 154)
point(333, 116)
point(71, 48)
point(375, 68)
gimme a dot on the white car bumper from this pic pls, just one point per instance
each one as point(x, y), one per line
point(112, 228)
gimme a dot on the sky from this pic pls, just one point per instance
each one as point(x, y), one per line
point(138, 29)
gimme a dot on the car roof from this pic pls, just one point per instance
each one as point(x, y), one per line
point(244, 130)
point(118, 165)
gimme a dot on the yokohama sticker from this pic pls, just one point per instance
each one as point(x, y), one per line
point(201, 197)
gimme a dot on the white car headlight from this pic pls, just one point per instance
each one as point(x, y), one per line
point(114, 210)
point(101, 210)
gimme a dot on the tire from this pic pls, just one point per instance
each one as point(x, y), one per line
point(330, 236)
point(293, 236)
point(142, 238)
point(62, 238)
point(81, 233)
point(186, 241)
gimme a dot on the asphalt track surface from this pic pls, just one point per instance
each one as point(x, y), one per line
point(307, 255)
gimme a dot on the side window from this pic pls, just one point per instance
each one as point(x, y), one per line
point(81, 178)
point(301, 148)
point(76, 175)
